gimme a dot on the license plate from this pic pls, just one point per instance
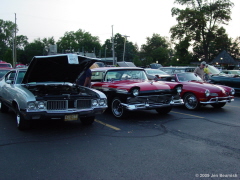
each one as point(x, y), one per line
point(71, 117)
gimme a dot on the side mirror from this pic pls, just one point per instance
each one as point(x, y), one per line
point(9, 81)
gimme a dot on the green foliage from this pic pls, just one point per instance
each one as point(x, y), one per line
point(79, 41)
point(157, 49)
point(119, 41)
point(200, 21)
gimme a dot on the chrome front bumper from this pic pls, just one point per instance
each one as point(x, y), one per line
point(217, 100)
point(151, 105)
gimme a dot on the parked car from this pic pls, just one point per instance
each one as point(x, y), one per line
point(221, 78)
point(3, 71)
point(128, 89)
point(174, 70)
point(47, 90)
point(155, 66)
point(152, 73)
point(234, 72)
point(4, 64)
point(21, 66)
point(196, 92)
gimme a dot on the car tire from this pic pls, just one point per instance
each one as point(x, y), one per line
point(164, 110)
point(22, 123)
point(4, 108)
point(219, 105)
point(191, 101)
point(117, 109)
point(87, 120)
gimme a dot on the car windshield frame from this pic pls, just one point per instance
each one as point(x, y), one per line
point(187, 77)
point(155, 71)
point(125, 74)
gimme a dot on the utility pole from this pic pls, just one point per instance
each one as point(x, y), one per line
point(15, 44)
point(125, 37)
point(113, 49)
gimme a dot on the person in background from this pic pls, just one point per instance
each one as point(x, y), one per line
point(200, 70)
point(85, 79)
point(206, 73)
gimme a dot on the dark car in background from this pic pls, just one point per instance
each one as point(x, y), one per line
point(221, 78)
point(5, 65)
point(234, 72)
point(155, 66)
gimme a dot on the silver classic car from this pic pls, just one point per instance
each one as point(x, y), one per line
point(47, 90)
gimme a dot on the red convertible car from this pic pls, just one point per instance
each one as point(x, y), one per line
point(197, 92)
point(128, 89)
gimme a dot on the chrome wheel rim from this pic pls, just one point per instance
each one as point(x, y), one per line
point(191, 102)
point(117, 109)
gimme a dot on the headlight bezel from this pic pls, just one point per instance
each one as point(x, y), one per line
point(232, 91)
point(179, 89)
point(135, 92)
point(207, 93)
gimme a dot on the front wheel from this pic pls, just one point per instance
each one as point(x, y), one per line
point(191, 101)
point(219, 105)
point(117, 109)
point(87, 120)
point(22, 123)
point(164, 110)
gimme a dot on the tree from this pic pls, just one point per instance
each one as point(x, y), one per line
point(79, 41)
point(157, 49)
point(200, 21)
point(7, 29)
point(119, 40)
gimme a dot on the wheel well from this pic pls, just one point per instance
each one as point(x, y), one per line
point(15, 105)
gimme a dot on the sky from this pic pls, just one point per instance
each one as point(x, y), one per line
point(134, 18)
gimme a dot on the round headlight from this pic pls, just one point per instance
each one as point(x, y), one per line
point(207, 93)
point(41, 105)
point(232, 92)
point(102, 102)
point(179, 89)
point(31, 105)
point(94, 102)
point(135, 92)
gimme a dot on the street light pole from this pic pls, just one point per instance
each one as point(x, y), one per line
point(125, 37)
point(113, 50)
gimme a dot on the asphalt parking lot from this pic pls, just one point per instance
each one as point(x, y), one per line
point(181, 145)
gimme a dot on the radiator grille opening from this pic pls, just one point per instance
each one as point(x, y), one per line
point(84, 103)
point(57, 105)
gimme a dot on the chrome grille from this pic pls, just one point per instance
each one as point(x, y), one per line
point(57, 105)
point(84, 103)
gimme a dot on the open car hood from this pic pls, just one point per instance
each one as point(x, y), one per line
point(57, 68)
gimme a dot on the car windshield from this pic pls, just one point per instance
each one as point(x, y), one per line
point(234, 72)
point(168, 71)
point(3, 72)
point(118, 75)
point(155, 72)
point(188, 77)
point(20, 77)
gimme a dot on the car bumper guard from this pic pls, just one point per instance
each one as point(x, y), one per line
point(217, 100)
